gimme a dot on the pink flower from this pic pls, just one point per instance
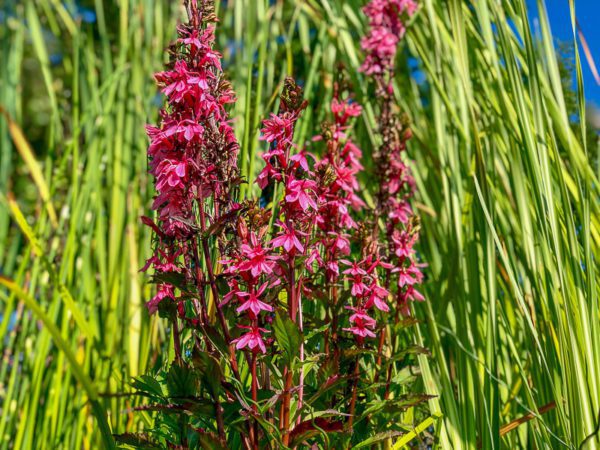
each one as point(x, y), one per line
point(412, 294)
point(386, 18)
point(333, 269)
point(343, 109)
point(361, 331)
point(400, 210)
point(299, 191)
point(300, 160)
point(361, 323)
point(340, 242)
point(377, 297)
point(265, 176)
point(289, 239)
point(355, 269)
point(408, 275)
point(312, 258)
point(252, 339)
point(375, 262)
point(191, 130)
point(253, 302)
point(258, 261)
point(169, 173)
point(278, 128)
point(361, 316)
point(403, 243)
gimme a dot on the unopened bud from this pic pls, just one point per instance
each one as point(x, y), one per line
point(242, 229)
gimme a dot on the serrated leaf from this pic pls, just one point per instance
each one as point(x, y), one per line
point(148, 385)
point(182, 382)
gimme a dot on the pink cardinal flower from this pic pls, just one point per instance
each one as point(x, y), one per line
point(266, 175)
point(403, 243)
point(299, 159)
point(377, 297)
point(361, 315)
point(190, 130)
point(258, 261)
point(333, 270)
point(400, 210)
point(288, 239)
point(252, 339)
point(170, 173)
point(356, 278)
point(252, 301)
point(409, 275)
point(343, 109)
point(278, 128)
point(314, 256)
point(354, 269)
point(300, 191)
point(361, 323)
point(340, 242)
point(412, 294)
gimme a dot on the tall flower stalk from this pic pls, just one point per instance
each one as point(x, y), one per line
point(193, 157)
point(387, 25)
point(295, 214)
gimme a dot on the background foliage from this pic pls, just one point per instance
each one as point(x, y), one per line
point(508, 192)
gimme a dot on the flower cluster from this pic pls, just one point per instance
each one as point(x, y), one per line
point(338, 185)
point(296, 210)
point(387, 26)
point(251, 271)
point(396, 183)
point(257, 266)
point(368, 294)
point(192, 153)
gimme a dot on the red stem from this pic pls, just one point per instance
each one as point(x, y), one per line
point(354, 394)
point(255, 398)
point(287, 397)
point(215, 292)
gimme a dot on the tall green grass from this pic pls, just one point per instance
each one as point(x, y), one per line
point(508, 199)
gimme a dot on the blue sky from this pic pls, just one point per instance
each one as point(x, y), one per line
point(588, 13)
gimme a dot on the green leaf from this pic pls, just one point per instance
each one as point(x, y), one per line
point(396, 405)
point(176, 279)
point(410, 350)
point(378, 438)
point(288, 336)
point(182, 382)
point(207, 441)
point(216, 339)
point(210, 372)
point(137, 440)
point(148, 385)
